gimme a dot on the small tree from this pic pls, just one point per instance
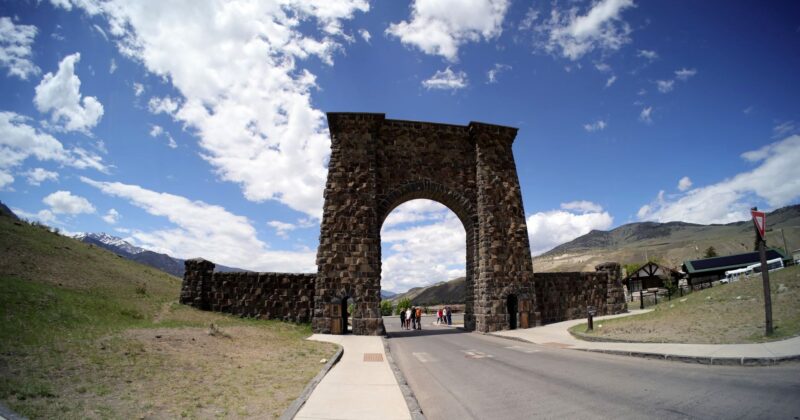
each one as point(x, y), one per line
point(386, 307)
point(710, 252)
point(403, 304)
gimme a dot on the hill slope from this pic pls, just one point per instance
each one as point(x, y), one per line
point(452, 291)
point(670, 243)
point(83, 330)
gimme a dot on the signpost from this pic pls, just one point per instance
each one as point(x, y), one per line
point(760, 224)
point(591, 311)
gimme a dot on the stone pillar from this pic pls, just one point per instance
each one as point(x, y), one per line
point(196, 287)
point(504, 265)
point(615, 293)
point(348, 258)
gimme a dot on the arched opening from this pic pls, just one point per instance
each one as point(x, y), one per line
point(347, 315)
point(424, 264)
point(512, 306)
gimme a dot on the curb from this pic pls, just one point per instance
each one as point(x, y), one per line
point(7, 414)
point(703, 360)
point(408, 394)
point(298, 403)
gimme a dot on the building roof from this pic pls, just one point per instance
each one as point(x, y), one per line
point(729, 262)
point(652, 269)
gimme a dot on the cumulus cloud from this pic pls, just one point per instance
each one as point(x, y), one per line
point(112, 217)
point(60, 95)
point(441, 27)
point(20, 141)
point(205, 230)
point(423, 244)
point(646, 115)
point(282, 229)
point(598, 125)
point(15, 48)
point(167, 105)
point(684, 74)
point(555, 227)
point(365, 35)
point(665, 86)
point(64, 202)
point(684, 184)
point(446, 80)
point(6, 179)
point(775, 180)
point(574, 33)
point(236, 68)
point(491, 75)
point(650, 55)
point(38, 175)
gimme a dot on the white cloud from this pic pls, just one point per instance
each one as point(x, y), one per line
point(421, 254)
point(235, 68)
point(603, 67)
point(167, 105)
point(113, 66)
point(282, 229)
point(15, 48)
point(63, 202)
point(440, 27)
point(112, 217)
point(684, 184)
point(684, 74)
point(598, 125)
point(748, 110)
point(491, 75)
point(6, 179)
point(611, 81)
point(38, 175)
point(582, 206)
point(19, 141)
point(158, 131)
point(365, 35)
point(60, 94)
point(573, 34)
point(205, 230)
point(646, 114)
point(648, 54)
point(665, 86)
point(776, 180)
point(446, 80)
point(42, 216)
point(555, 227)
point(138, 89)
point(784, 129)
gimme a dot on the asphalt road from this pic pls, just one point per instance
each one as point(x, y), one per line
point(459, 375)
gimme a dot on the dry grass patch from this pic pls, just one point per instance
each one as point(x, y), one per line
point(726, 314)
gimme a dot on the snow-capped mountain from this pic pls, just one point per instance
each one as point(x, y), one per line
point(112, 243)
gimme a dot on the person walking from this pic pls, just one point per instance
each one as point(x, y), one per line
point(402, 318)
point(408, 317)
point(419, 318)
point(439, 316)
point(413, 318)
point(449, 316)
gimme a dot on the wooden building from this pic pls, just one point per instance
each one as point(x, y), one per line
point(707, 270)
point(650, 275)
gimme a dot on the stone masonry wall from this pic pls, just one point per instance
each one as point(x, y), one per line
point(283, 296)
point(565, 296)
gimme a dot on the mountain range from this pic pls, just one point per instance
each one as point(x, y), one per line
point(126, 250)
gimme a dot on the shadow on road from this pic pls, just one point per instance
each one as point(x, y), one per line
point(424, 332)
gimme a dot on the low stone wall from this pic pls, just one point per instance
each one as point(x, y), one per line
point(565, 296)
point(283, 296)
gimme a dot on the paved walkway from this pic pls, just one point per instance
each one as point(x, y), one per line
point(360, 386)
point(757, 353)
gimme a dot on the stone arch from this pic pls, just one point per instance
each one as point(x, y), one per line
point(377, 164)
point(460, 206)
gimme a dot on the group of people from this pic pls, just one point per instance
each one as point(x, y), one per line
point(444, 316)
point(411, 318)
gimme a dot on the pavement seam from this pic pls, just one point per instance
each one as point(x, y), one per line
point(408, 394)
point(298, 403)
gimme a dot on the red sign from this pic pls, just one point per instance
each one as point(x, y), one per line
point(760, 220)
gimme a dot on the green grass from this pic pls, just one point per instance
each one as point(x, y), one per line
point(730, 313)
point(87, 334)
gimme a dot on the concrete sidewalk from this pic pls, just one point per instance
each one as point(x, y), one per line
point(728, 354)
point(361, 386)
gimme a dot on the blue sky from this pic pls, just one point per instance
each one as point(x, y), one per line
point(197, 128)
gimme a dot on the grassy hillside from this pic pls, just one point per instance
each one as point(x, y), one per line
point(729, 313)
point(87, 334)
point(669, 243)
point(452, 291)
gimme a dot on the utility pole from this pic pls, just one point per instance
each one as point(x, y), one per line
point(760, 217)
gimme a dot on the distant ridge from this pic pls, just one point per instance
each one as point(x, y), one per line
point(452, 291)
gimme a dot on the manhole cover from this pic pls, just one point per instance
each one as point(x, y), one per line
point(373, 357)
